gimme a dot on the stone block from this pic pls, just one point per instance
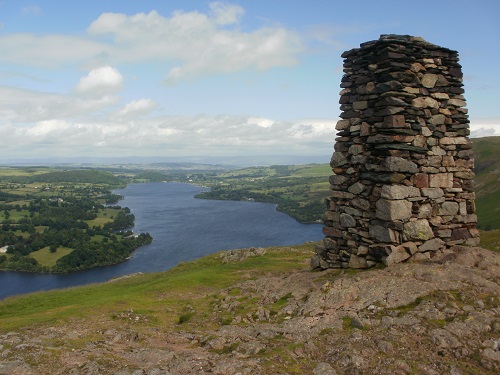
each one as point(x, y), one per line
point(393, 209)
point(465, 175)
point(347, 221)
point(429, 80)
point(357, 262)
point(357, 106)
point(332, 232)
point(383, 234)
point(437, 119)
point(315, 262)
point(453, 140)
point(355, 149)
point(398, 164)
point(436, 150)
point(410, 247)
point(448, 161)
point(399, 192)
point(469, 218)
point(418, 230)
point(398, 254)
point(361, 204)
point(420, 180)
point(341, 194)
point(362, 250)
point(383, 177)
point(448, 208)
point(331, 216)
point(440, 95)
point(433, 244)
point(432, 193)
point(457, 102)
point(425, 211)
point(460, 234)
point(329, 244)
point(357, 188)
point(338, 160)
point(365, 129)
point(336, 180)
point(320, 250)
point(441, 180)
point(395, 121)
point(353, 211)
point(343, 125)
point(425, 102)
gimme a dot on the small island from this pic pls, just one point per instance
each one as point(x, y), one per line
point(59, 221)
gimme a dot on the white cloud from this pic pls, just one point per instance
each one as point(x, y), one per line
point(47, 50)
point(24, 106)
point(197, 43)
point(483, 132)
point(260, 121)
point(196, 40)
point(105, 79)
point(137, 107)
point(484, 128)
point(226, 14)
point(170, 135)
point(44, 129)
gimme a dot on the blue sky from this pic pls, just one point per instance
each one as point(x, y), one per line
point(184, 78)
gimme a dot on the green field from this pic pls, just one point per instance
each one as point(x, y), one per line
point(47, 258)
point(105, 215)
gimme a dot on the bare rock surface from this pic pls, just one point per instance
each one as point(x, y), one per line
point(439, 316)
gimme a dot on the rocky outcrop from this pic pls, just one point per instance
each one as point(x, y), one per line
point(435, 317)
point(403, 182)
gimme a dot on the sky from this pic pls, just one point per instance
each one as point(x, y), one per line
point(189, 78)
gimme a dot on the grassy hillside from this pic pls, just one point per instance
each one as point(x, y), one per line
point(189, 284)
point(487, 168)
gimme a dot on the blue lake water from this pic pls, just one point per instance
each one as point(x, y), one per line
point(184, 228)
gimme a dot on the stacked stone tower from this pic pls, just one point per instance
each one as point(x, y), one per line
point(403, 181)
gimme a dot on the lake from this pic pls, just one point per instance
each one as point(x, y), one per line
point(184, 228)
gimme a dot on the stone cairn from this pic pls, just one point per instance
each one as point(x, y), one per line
point(403, 182)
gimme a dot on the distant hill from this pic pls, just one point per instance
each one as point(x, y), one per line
point(78, 176)
point(216, 161)
point(487, 169)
